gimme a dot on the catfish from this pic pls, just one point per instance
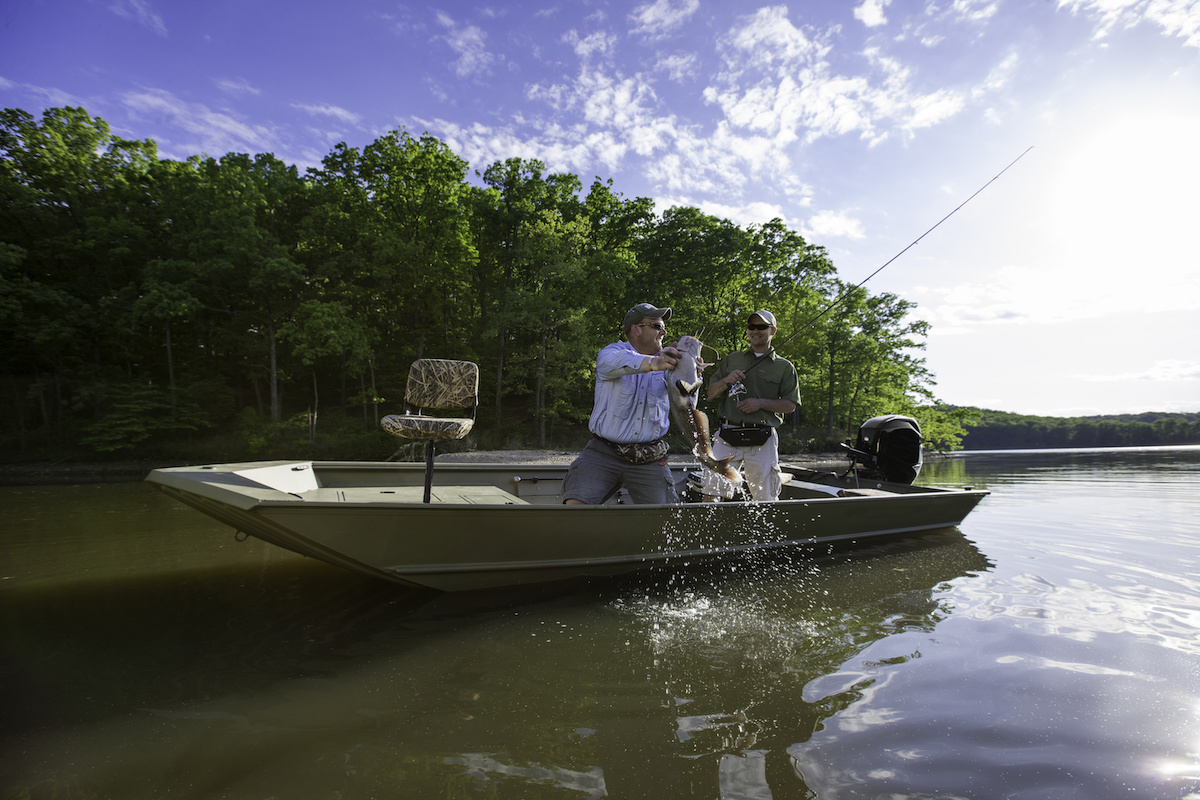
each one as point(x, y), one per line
point(683, 387)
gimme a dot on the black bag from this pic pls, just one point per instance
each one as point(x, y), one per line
point(745, 435)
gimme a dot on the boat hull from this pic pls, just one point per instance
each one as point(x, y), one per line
point(496, 525)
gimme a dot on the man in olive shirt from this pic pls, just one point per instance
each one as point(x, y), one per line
point(758, 388)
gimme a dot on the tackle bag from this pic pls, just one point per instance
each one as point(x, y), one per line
point(745, 435)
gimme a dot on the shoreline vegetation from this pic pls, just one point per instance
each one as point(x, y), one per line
point(990, 431)
point(214, 310)
point(220, 306)
point(68, 470)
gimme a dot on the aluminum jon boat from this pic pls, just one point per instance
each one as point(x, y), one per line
point(497, 524)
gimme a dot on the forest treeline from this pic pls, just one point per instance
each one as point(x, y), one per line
point(1001, 430)
point(229, 307)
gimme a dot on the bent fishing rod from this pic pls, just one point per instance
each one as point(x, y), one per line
point(847, 292)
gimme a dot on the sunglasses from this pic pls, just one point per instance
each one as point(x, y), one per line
point(754, 327)
point(658, 326)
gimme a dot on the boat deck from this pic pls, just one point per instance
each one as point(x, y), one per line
point(373, 495)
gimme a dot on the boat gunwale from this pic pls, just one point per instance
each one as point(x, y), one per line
point(726, 506)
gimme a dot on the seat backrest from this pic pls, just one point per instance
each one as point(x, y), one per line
point(442, 383)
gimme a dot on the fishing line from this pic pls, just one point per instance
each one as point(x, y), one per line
point(846, 293)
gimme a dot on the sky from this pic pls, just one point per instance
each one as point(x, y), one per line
point(1070, 286)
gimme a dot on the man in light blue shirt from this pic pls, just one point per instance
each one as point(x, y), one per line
point(630, 417)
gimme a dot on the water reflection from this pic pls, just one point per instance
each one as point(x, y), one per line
point(1046, 649)
point(742, 662)
point(279, 676)
point(1157, 465)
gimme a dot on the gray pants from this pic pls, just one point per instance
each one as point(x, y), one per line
point(598, 472)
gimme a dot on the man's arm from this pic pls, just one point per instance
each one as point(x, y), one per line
point(777, 406)
point(721, 382)
point(617, 362)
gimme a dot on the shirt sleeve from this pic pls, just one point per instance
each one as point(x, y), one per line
point(789, 387)
point(615, 362)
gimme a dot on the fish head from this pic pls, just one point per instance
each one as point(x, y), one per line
point(690, 345)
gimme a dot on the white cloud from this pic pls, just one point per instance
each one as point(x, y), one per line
point(932, 109)
point(326, 110)
point(468, 42)
point(752, 213)
point(974, 10)
point(998, 78)
point(779, 81)
point(50, 97)
point(1176, 17)
point(240, 86)
point(571, 149)
point(767, 39)
point(141, 12)
point(214, 132)
point(679, 67)
point(599, 42)
point(870, 13)
point(827, 224)
point(662, 16)
point(1158, 372)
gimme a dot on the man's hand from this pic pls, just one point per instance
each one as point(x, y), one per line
point(666, 358)
point(733, 377)
point(750, 405)
point(777, 406)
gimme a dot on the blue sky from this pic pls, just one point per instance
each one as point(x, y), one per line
point(1070, 286)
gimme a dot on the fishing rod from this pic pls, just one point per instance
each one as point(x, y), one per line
point(846, 293)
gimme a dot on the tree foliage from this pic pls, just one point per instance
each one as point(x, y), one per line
point(149, 304)
point(1001, 430)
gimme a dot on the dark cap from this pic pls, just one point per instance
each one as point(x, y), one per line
point(644, 311)
point(767, 317)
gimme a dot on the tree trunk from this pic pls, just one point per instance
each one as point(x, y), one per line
point(276, 405)
point(539, 392)
point(362, 385)
point(312, 414)
point(499, 374)
point(170, 361)
point(374, 392)
point(829, 417)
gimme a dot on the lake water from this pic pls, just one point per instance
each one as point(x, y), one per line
point(1048, 648)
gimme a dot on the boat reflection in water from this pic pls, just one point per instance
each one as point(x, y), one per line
point(753, 669)
point(676, 684)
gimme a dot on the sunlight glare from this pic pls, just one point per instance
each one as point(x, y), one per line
point(1120, 212)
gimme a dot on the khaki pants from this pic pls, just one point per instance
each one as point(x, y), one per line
point(759, 466)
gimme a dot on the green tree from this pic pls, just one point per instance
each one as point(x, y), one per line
point(71, 196)
point(694, 263)
point(415, 254)
point(519, 220)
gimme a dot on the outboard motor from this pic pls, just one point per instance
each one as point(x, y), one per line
point(889, 447)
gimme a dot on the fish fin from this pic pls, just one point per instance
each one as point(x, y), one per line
point(729, 471)
point(687, 388)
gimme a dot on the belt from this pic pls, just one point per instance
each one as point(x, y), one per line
point(615, 445)
point(727, 424)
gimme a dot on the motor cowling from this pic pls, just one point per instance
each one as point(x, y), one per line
point(891, 446)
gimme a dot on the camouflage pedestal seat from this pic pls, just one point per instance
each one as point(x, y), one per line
point(436, 384)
